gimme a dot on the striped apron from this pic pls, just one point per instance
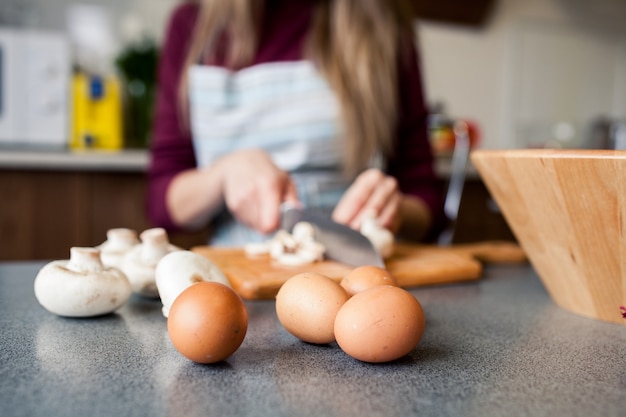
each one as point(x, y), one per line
point(284, 108)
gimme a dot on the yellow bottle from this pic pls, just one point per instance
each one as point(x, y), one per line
point(97, 113)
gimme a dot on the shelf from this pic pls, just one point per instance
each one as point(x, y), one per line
point(107, 161)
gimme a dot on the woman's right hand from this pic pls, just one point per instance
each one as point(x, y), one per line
point(253, 188)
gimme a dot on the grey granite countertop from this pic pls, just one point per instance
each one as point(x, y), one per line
point(496, 347)
point(129, 160)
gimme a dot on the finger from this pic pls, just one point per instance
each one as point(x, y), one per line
point(348, 208)
point(270, 197)
point(382, 195)
point(269, 215)
point(389, 216)
point(356, 197)
point(291, 193)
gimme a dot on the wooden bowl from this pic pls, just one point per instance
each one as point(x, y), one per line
point(567, 209)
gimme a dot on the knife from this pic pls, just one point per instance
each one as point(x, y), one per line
point(343, 244)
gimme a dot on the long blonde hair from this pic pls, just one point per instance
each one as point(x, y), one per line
point(356, 45)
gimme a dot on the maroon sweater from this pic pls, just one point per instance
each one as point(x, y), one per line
point(282, 39)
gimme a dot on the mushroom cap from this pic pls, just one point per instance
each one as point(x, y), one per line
point(81, 286)
point(180, 269)
point(140, 275)
point(139, 263)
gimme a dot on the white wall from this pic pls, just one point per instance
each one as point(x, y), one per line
point(535, 65)
point(51, 14)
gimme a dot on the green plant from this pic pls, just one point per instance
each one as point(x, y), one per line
point(137, 64)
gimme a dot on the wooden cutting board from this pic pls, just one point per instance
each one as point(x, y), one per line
point(260, 277)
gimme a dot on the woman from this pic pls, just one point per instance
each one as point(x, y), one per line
point(317, 103)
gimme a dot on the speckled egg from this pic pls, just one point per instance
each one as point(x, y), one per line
point(207, 322)
point(380, 324)
point(306, 305)
point(366, 277)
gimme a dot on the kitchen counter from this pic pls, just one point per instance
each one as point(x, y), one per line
point(129, 160)
point(495, 347)
point(133, 160)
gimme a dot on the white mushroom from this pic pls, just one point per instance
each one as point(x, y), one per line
point(257, 248)
point(119, 241)
point(382, 239)
point(307, 251)
point(180, 269)
point(81, 286)
point(292, 249)
point(139, 264)
point(283, 242)
point(303, 231)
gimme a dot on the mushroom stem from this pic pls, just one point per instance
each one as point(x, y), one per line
point(119, 242)
point(121, 238)
point(140, 262)
point(156, 245)
point(83, 260)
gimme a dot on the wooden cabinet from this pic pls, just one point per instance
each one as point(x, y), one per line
point(44, 213)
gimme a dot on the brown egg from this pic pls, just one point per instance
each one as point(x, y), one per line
point(207, 322)
point(307, 304)
point(365, 277)
point(381, 324)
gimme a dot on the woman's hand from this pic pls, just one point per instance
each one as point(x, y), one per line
point(253, 188)
point(372, 191)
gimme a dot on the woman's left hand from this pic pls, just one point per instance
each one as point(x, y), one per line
point(372, 191)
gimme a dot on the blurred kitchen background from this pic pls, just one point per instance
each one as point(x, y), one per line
point(77, 85)
point(526, 73)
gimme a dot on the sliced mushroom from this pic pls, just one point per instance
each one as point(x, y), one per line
point(139, 264)
point(180, 269)
point(257, 248)
point(119, 241)
point(292, 249)
point(303, 231)
point(81, 286)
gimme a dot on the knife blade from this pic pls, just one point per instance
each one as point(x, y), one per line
point(343, 244)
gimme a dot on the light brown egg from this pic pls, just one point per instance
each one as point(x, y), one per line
point(366, 277)
point(207, 322)
point(380, 324)
point(307, 304)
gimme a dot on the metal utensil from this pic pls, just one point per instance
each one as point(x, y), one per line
point(343, 244)
point(460, 157)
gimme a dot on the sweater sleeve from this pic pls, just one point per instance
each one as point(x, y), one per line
point(412, 162)
point(171, 149)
